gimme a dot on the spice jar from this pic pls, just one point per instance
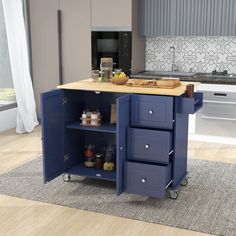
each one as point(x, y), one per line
point(89, 151)
point(94, 119)
point(99, 161)
point(84, 116)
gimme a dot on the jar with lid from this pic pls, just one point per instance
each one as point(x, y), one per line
point(99, 160)
point(89, 151)
point(106, 67)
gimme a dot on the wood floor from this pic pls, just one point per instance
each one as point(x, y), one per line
point(20, 217)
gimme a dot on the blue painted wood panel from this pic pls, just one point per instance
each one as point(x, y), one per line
point(180, 140)
point(123, 122)
point(52, 134)
point(149, 180)
point(152, 111)
point(149, 145)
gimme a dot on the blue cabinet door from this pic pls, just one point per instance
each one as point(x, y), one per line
point(123, 120)
point(52, 133)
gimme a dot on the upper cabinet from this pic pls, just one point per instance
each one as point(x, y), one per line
point(111, 14)
point(188, 18)
point(76, 40)
point(60, 42)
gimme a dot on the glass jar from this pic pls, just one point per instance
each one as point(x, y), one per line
point(89, 151)
point(99, 160)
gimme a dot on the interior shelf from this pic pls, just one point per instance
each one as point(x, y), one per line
point(105, 127)
point(81, 170)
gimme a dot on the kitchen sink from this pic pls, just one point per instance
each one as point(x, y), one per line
point(169, 73)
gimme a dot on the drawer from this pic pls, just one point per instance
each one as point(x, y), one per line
point(152, 111)
point(216, 125)
point(149, 180)
point(223, 107)
point(149, 145)
point(219, 95)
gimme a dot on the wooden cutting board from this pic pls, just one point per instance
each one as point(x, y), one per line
point(161, 83)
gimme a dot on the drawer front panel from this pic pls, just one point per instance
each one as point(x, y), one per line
point(219, 96)
point(152, 111)
point(222, 107)
point(149, 145)
point(216, 125)
point(150, 180)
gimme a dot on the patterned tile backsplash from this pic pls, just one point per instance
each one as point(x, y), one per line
point(196, 54)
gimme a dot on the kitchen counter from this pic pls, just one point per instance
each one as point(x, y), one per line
point(198, 77)
point(89, 85)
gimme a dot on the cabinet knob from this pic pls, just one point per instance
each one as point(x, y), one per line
point(147, 146)
point(121, 148)
point(143, 180)
point(150, 112)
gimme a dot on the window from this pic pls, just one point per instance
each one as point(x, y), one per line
point(7, 93)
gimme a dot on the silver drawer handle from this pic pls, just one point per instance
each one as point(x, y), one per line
point(147, 146)
point(98, 175)
point(143, 180)
point(150, 112)
point(219, 102)
point(217, 118)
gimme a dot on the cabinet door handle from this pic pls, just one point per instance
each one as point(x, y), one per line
point(150, 112)
point(147, 146)
point(143, 180)
point(59, 30)
point(121, 148)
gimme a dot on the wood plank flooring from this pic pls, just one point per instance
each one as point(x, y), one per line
point(20, 217)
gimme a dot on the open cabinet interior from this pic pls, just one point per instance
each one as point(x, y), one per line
point(78, 137)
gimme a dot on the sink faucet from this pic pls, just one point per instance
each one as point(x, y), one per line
point(174, 66)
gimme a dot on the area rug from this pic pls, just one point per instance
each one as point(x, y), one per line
point(207, 204)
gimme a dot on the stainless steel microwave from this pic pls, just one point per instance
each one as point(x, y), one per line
point(112, 44)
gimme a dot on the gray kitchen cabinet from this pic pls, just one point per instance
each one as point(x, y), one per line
point(111, 13)
point(44, 46)
point(75, 50)
point(76, 40)
point(188, 18)
point(155, 18)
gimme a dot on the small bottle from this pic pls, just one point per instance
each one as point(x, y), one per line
point(94, 119)
point(88, 113)
point(84, 116)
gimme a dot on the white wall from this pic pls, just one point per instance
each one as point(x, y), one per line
point(8, 119)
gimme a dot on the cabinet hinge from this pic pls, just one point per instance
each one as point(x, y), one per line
point(64, 101)
point(66, 157)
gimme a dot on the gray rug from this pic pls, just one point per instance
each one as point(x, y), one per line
point(207, 204)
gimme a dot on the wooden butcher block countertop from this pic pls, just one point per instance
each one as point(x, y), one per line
point(89, 85)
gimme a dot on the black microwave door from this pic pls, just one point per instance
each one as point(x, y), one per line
point(125, 52)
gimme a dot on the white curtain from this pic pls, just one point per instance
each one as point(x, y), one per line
point(18, 52)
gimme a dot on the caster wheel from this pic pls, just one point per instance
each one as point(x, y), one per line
point(184, 182)
point(173, 194)
point(66, 177)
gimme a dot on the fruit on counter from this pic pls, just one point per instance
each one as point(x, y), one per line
point(116, 75)
point(122, 74)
